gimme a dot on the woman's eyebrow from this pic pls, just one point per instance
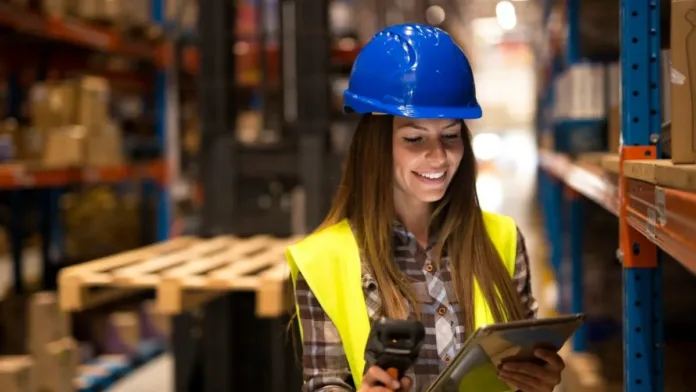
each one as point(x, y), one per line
point(452, 125)
point(422, 128)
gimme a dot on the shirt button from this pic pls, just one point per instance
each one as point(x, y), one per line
point(429, 268)
point(442, 311)
point(447, 358)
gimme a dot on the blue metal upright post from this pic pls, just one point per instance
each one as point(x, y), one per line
point(576, 280)
point(554, 215)
point(164, 203)
point(573, 54)
point(641, 120)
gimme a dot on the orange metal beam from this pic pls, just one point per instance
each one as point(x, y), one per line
point(73, 31)
point(665, 216)
point(638, 250)
point(14, 176)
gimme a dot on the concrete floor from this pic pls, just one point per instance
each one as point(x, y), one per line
point(154, 376)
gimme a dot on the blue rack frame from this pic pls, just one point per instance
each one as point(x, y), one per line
point(641, 119)
point(558, 198)
point(162, 109)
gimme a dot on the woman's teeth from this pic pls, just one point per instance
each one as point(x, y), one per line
point(432, 176)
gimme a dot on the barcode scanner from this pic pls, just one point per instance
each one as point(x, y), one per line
point(394, 345)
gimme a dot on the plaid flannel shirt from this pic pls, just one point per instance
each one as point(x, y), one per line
point(325, 366)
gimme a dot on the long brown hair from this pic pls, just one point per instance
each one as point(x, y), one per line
point(365, 197)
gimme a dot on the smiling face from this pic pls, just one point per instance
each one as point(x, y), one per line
point(427, 154)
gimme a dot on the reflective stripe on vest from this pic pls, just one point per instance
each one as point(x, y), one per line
point(329, 261)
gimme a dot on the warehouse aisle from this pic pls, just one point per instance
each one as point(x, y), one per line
point(508, 185)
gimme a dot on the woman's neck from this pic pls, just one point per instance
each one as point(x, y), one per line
point(415, 216)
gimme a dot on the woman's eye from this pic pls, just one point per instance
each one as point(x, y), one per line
point(450, 135)
point(412, 139)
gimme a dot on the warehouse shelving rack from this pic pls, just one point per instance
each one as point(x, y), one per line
point(50, 183)
point(154, 175)
point(654, 200)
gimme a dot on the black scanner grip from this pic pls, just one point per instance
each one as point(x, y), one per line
point(394, 345)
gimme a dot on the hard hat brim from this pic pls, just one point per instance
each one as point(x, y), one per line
point(353, 103)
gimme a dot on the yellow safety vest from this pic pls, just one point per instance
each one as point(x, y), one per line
point(329, 261)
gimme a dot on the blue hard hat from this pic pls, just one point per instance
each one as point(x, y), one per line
point(412, 70)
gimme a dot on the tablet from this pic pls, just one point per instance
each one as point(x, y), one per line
point(475, 366)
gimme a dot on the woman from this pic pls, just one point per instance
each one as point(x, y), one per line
point(405, 237)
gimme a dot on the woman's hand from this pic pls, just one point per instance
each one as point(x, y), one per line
point(532, 377)
point(375, 377)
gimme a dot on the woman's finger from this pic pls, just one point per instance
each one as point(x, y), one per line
point(406, 384)
point(376, 375)
point(517, 384)
point(552, 358)
point(534, 371)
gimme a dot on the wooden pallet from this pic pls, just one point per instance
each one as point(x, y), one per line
point(184, 272)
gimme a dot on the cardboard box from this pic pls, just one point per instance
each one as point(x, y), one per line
point(683, 88)
point(97, 10)
point(92, 108)
point(136, 12)
point(52, 104)
point(82, 101)
point(30, 144)
point(54, 8)
point(64, 147)
point(57, 365)
point(127, 326)
point(47, 323)
point(666, 92)
point(78, 145)
point(103, 146)
point(17, 374)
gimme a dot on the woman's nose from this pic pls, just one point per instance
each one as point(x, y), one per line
point(437, 152)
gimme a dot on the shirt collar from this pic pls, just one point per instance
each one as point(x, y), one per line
point(398, 229)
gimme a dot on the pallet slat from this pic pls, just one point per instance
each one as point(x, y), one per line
point(195, 267)
point(156, 264)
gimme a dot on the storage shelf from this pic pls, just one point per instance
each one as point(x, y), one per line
point(85, 34)
point(16, 176)
point(585, 177)
point(74, 31)
point(664, 215)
